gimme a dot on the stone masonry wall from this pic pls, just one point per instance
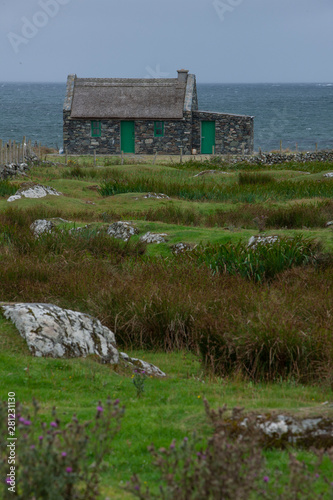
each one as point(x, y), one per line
point(234, 133)
point(78, 140)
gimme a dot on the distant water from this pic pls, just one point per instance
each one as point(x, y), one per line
point(293, 113)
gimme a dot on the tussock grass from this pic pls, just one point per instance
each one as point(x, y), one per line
point(7, 188)
point(245, 178)
point(263, 187)
point(261, 263)
point(263, 332)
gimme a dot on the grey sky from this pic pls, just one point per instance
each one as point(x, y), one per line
point(218, 40)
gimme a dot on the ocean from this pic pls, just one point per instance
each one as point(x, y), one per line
point(299, 114)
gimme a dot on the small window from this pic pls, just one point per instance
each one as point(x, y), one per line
point(95, 129)
point(159, 129)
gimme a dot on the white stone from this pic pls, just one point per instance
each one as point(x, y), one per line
point(153, 238)
point(157, 196)
point(41, 226)
point(264, 240)
point(329, 174)
point(122, 230)
point(62, 333)
point(55, 332)
point(36, 191)
point(148, 368)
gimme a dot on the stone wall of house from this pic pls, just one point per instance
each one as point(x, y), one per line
point(177, 134)
point(234, 133)
point(78, 140)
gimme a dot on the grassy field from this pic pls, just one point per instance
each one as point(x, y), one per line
point(218, 332)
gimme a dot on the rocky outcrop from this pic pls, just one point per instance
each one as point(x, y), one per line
point(157, 196)
point(153, 238)
point(41, 226)
point(181, 248)
point(263, 240)
point(62, 333)
point(122, 230)
point(281, 431)
point(34, 191)
point(142, 366)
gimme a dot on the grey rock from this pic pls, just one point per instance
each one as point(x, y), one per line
point(122, 230)
point(330, 223)
point(181, 248)
point(141, 366)
point(329, 174)
point(157, 196)
point(265, 240)
point(154, 238)
point(36, 191)
point(61, 333)
point(41, 226)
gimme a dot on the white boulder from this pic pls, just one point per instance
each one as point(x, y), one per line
point(61, 333)
point(122, 230)
point(36, 191)
point(153, 238)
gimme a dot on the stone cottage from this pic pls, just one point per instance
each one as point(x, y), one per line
point(145, 116)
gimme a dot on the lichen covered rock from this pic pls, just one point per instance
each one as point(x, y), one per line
point(153, 238)
point(61, 333)
point(35, 191)
point(122, 230)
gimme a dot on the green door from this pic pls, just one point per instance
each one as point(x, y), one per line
point(207, 137)
point(127, 137)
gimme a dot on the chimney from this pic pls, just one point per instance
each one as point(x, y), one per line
point(182, 75)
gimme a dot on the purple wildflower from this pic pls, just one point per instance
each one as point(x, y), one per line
point(53, 424)
point(172, 445)
point(32, 447)
point(8, 480)
point(100, 408)
point(27, 422)
point(69, 470)
point(185, 439)
point(22, 420)
point(266, 479)
point(116, 402)
point(41, 438)
point(317, 475)
point(64, 454)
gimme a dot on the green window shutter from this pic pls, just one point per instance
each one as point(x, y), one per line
point(96, 129)
point(159, 129)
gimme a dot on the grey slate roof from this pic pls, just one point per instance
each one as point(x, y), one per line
point(128, 98)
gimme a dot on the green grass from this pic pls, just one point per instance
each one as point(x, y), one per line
point(170, 408)
point(163, 304)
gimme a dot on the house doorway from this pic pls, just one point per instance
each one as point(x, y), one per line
point(127, 137)
point(207, 137)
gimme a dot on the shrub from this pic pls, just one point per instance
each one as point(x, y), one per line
point(53, 461)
